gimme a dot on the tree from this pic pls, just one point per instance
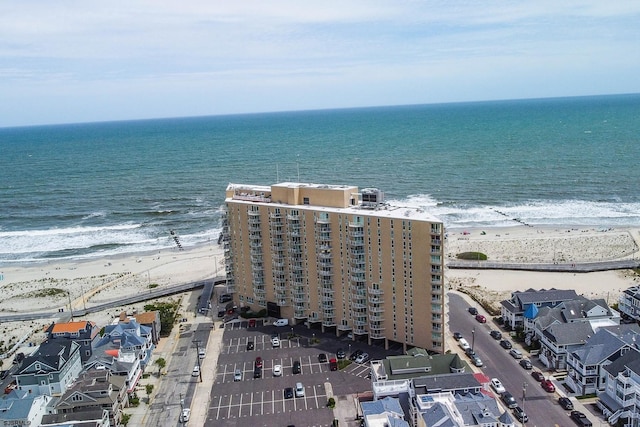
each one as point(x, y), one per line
point(161, 365)
point(125, 419)
point(149, 390)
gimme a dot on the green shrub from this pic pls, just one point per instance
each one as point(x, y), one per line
point(331, 403)
point(472, 256)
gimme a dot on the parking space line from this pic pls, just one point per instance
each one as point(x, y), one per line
point(261, 402)
point(240, 407)
point(273, 403)
point(229, 408)
point(315, 395)
point(218, 409)
point(251, 407)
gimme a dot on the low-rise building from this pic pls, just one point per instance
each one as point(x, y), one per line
point(513, 310)
point(83, 332)
point(620, 399)
point(629, 303)
point(21, 408)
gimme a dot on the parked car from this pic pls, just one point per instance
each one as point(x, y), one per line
point(566, 403)
point(457, 336)
point(288, 393)
point(537, 375)
point(520, 415)
point(333, 364)
point(258, 363)
point(249, 345)
point(196, 371)
point(497, 385)
point(515, 353)
point(252, 323)
point(506, 344)
point(281, 322)
point(225, 298)
point(526, 364)
point(340, 354)
point(363, 358)
point(509, 400)
point(296, 367)
point(322, 358)
point(277, 370)
point(355, 354)
point(463, 344)
point(469, 352)
point(257, 372)
point(237, 375)
point(548, 386)
point(185, 415)
point(480, 318)
point(496, 335)
point(473, 310)
point(580, 419)
point(4, 374)
point(476, 360)
point(299, 390)
point(275, 342)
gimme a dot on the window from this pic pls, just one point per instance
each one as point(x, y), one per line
point(305, 200)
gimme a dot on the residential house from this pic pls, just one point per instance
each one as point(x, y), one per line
point(620, 398)
point(384, 412)
point(95, 418)
point(51, 369)
point(151, 319)
point(95, 390)
point(513, 310)
point(82, 332)
point(586, 373)
point(567, 326)
point(629, 303)
point(133, 336)
point(21, 408)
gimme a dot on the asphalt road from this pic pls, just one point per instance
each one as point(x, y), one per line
point(541, 407)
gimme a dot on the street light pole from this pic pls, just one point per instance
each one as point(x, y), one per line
point(524, 395)
point(197, 343)
point(473, 338)
point(181, 409)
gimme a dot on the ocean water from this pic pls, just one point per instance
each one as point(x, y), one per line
point(89, 190)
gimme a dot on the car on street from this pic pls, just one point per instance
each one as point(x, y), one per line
point(566, 403)
point(257, 372)
point(252, 323)
point(506, 344)
point(237, 375)
point(496, 384)
point(457, 336)
point(476, 360)
point(340, 354)
point(363, 358)
point(463, 344)
point(185, 415)
point(296, 367)
point(515, 353)
point(537, 375)
point(496, 335)
point(299, 390)
point(277, 370)
point(473, 310)
point(480, 318)
point(4, 374)
point(275, 342)
point(526, 364)
point(355, 354)
point(322, 358)
point(333, 364)
point(520, 415)
point(288, 393)
point(469, 352)
point(580, 419)
point(196, 371)
point(548, 386)
point(258, 362)
point(249, 345)
point(509, 400)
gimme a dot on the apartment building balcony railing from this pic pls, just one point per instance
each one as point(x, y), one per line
point(296, 276)
point(323, 221)
point(293, 233)
point(375, 317)
point(254, 220)
point(300, 300)
point(275, 215)
point(435, 250)
point(330, 322)
point(375, 291)
point(255, 245)
point(300, 293)
point(293, 217)
point(325, 264)
point(354, 253)
point(259, 291)
point(356, 224)
point(261, 302)
point(359, 272)
point(376, 335)
point(295, 249)
point(355, 243)
point(358, 306)
point(374, 326)
point(344, 327)
point(358, 279)
point(375, 299)
point(360, 323)
point(325, 256)
point(323, 237)
point(356, 234)
point(297, 267)
point(436, 299)
point(436, 269)
point(328, 308)
point(327, 298)
point(376, 309)
point(299, 313)
point(436, 241)
point(360, 331)
point(327, 290)
point(325, 273)
point(281, 287)
point(255, 237)
point(256, 258)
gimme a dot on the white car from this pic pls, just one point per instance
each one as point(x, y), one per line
point(299, 390)
point(184, 416)
point(281, 322)
point(237, 375)
point(364, 357)
point(497, 386)
point(275, 342)
point(277, 370)
point(196, 371)
point(516, 354)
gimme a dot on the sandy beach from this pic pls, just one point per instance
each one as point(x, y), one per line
point(27, 288)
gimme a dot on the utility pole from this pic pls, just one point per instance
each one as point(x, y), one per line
point(524, 394)
point(70, 307)
point(197, 343)
point(181, 408)
point(473, 338)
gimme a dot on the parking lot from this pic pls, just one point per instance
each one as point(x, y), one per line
point(262, 401)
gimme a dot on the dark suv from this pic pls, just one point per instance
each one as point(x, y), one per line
point(296, 367)
point(473, 310)
point(496, 335)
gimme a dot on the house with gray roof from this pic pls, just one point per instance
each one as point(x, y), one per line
point(21, 408)
point(384, 412)
point(51, 369)
point(567, 326)
point(513, 309)
point(619, 398)
point(95, 418)
point(586, 364)
point(459, 410)
point(629, 303)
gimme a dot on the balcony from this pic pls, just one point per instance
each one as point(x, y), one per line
point(324, 237)
point(275, 215)
point(255, 245)
point(360, 323)
point(325, 273)
point(295, 249)
point(329, 322)
point(299, 313)
point(254, 236)
point(323, 247)
point(260, 292)
point(282, 303)
point(325, 256)
point(376, 335)
point(280, 288)
point(254, 220)
point(356, 224)
point(358, 306)
point(376, 318)
point(356, 234)
point(376, 309)
point(376, 291)
point(436, 241)
point(376, 326)
point(328, 308)
point(343, 327)
point(299, 300)
point(360, 331)
point(355, 243)
point(325, 263)
point(293, 217)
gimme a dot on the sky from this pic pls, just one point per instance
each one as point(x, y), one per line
point(83, 61)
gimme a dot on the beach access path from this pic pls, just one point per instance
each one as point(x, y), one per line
point(579, 267)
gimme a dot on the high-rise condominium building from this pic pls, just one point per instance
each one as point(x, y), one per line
point(337, 257)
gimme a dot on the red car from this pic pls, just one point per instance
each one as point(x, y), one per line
point(548, 386)
point(258, 362)
point(480, 318)
point(333, 364)
point(252, 323)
